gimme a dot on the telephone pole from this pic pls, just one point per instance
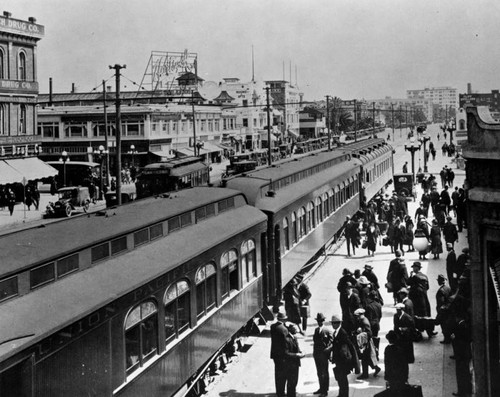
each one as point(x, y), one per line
point(268, 110)
point(118, 134)
point(355, 120)
point(106, 145)
point(392, 112)
point(327, 122)
point(373, 121)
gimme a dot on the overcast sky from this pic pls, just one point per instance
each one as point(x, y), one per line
point(348, 48)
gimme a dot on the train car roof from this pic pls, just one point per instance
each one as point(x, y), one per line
point(30, 318)
point(26, 248)
point(255, 184)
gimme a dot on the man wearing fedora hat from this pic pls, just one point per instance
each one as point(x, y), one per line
point(322, 348)
point(418, 284)
point(450, 232)
point(451, 263)
point(442, 308)
point(279, 334)
point(343, 356)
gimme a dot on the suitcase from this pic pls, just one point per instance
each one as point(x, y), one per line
point(424, 323)
point(410, 391)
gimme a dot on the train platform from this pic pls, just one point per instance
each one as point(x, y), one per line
point(252, 373)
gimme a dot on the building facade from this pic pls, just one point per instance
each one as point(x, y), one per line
point(490, 100)
point(482, 153)
point(312, 123)
point(287, 99)
point(444, 97)
point(18, 85)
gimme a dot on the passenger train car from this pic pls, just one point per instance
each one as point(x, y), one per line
point(138, 299)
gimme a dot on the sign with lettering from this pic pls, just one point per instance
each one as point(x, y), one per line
point(23, 28)
point(166, 67)
point(18, 86)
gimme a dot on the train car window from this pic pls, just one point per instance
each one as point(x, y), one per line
point(210, 210)
point(310, 216)
point(331, 198)
point(8, 288)
point(141, 335)
point(67, 265)
point(286, 234)
point(200, 214)
point(301, 214)
point(326, 209)
point(42, 275)
point(156, 231)
point(319, 210)
point(141, 237)
point(118, 245)
point(186, 219)
point(248, 259)
point(17, 380)
point(222, 205)
point(174, 224)
point(177, 309)
point(100, 252)
point(206, 289)
point(230, 278)
point(294, 228)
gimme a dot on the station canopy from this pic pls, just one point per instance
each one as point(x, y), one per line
point(27, 169)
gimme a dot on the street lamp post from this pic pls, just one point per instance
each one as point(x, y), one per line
point(451, 129)
point(424, 140)
point(412, 148)
point(63, 159)
point(101, 152)
point(133, 152)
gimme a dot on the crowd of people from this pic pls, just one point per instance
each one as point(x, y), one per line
point(352, 342)
point(8, 197)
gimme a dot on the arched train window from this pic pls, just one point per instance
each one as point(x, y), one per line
point(286, 235)
point(206, 289)
point(248, 259)
point(141, 335)
point(177, 309)
point(229, 267)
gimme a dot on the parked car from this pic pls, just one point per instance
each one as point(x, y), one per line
point(74, 198)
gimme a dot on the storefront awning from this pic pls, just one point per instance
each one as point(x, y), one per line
point(30, 169)
point(206, 149)
point(164, 154)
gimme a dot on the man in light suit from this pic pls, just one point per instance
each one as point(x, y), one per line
point(322, 348)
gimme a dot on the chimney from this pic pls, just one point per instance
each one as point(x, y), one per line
point(32, 19)
point(7, 14)
point(73, 88)
point(469, 88)
point(50, 91)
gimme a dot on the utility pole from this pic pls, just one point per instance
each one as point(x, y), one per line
point(194, 123)
point(328, 122)
point(106, 146)
point(118, 134)
point(392, 112)
point(373, 121)
point(268, 110)
point(406, 115)
point(400, 121)
point(355, 121)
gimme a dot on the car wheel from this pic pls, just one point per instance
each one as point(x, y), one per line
point(86, 206)
point(67, 211)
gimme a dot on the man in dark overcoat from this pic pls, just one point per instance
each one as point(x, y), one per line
point(343, 356)
point(278, 337)
point(404, 326)
point(451, 263)
point(450, 232)
point(418, 284)
point(293, 354)
point(322, 348)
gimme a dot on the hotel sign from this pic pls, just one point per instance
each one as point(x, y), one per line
point(23, 28)
point(19, 87)
point(166, 67)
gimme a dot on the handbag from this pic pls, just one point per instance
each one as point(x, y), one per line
point(305, 311)
point(386, 241)
point(365, 244)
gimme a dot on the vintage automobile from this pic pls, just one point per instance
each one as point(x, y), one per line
point(404, 185)
point(74, 198)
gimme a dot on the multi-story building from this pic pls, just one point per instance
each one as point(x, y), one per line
point(287, 99)
point(312, 122)
point(389, 107)
point(445, 97)
point(18, 98)
point(491, 100)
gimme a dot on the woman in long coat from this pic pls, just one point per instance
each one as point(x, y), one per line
point(408, 239)
point(372, 234)
point(435, 236)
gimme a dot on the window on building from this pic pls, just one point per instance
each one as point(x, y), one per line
point(21, 65)
point(229, 268)
point(141, 335)
point(22, 119)
point(248, 259)
point(245, 122)
point(177, 309)
point(133, 129)
point(206, 290)
point(75, 130)
point(3, 129)
point(48, 130)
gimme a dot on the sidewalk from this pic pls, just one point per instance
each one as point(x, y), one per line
point(252, 373)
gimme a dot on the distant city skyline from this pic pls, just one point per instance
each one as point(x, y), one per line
point(364, 49)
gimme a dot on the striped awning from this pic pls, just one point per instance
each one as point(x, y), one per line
point(24, 169)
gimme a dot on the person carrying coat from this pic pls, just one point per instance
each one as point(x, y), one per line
point(366, 348)
point(322, 349)
point(343, 356)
